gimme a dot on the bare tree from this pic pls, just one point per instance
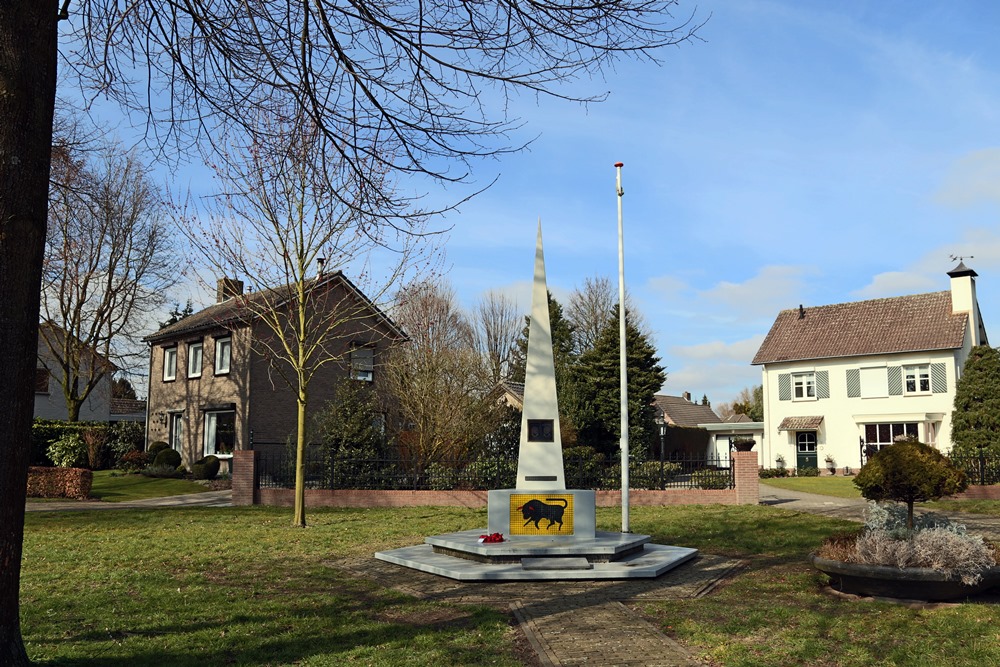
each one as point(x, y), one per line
point(590, 307)
point(108, 264)
point(498, 325)
point(405, 84)
point(435, 377)
point(278, 225)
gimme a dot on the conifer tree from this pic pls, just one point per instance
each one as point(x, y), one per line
point(598, 386)
point(975, 421)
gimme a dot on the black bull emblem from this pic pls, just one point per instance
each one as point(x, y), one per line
point(535, 510)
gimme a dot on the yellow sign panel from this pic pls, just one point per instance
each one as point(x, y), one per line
point(541, 514)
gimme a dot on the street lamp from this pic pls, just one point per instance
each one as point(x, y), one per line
point(663, 438)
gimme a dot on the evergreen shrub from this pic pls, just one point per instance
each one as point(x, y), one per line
point(167, 457)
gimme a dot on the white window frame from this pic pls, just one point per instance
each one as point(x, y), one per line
point(175, 433)
point(920, 376)
point(223, 355)
point(169, 364)
point(195, 359)
point(804, 386)
point(211, 431)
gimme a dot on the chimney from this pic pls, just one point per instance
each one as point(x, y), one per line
point(227, 288)
point(963, 300)
point(686, 396)
point(802, 312)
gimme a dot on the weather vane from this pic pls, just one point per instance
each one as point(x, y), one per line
point(959, 258)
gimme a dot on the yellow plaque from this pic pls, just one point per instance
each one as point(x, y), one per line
point(541, 514)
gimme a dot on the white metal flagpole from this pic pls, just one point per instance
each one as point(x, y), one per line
point(621, 353)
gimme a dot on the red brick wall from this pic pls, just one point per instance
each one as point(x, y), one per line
point(979, 493)
point(244, 493)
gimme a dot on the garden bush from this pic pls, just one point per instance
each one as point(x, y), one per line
point(133, 461)
point(768, 473)
point(908, 471)
point(648, 475)
point(441, 477)
point(124, 437)
point(160, 470)
point(156, 447)
point(69, 451)
point(491, 472)
point(711, 479)
point(167, 457)
point(933, 541)
point(206, 468)
point(582, 467)
point(807, 471)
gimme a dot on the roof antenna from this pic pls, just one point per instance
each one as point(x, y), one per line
point(802, 312)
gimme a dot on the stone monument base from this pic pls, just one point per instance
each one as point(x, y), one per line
point(557, 515)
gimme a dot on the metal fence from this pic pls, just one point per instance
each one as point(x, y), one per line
point(326, 468)
point(982, 468)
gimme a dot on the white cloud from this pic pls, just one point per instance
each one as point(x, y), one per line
point(897, 283)
point(772, 289)
point(741, 351)
point(972, 179)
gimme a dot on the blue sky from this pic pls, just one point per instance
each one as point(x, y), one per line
point(804, 152)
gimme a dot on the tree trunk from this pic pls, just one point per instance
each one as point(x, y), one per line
point(27, 97)
point(300, 466)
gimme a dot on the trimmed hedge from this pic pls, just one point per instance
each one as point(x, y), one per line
point(59, 482)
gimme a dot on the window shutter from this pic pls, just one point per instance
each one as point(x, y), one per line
point(853, 383)
point(822, 384)
point(895, 374)
point(785, 387)
point(939, 378)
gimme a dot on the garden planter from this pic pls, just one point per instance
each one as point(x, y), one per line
point(743, 445)
point(915, 583)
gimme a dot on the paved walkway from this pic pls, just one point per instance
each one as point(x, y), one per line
point(205, 499)
point(852, 509)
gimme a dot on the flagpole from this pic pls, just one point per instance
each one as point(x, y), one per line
point(621, 353)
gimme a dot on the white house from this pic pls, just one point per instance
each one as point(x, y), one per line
point(841, 378)
point(49, 400)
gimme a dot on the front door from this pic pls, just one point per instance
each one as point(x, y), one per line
point(805, 449)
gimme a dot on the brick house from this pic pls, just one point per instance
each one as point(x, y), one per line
point(843, 378)
point(215, 384)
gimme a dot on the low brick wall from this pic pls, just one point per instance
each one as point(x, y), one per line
point(245, 492)
point(59, 482)
point(979, 493)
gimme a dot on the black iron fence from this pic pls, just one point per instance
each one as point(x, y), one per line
point(981, 468)
point(326, 468)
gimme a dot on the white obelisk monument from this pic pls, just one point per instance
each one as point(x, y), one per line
point(540, 458)
point(540, 506)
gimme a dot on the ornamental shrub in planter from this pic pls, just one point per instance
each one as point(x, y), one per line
point(899, 555)
point(909, 471)
point(936, 560)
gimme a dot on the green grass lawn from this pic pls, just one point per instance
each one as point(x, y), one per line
point(842, 487)
point(114, 487)
point(240, 586)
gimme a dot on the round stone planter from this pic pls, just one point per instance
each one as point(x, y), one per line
point(914, 583)
point(744, 445)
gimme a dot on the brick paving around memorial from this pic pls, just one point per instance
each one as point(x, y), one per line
point(571, 622)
